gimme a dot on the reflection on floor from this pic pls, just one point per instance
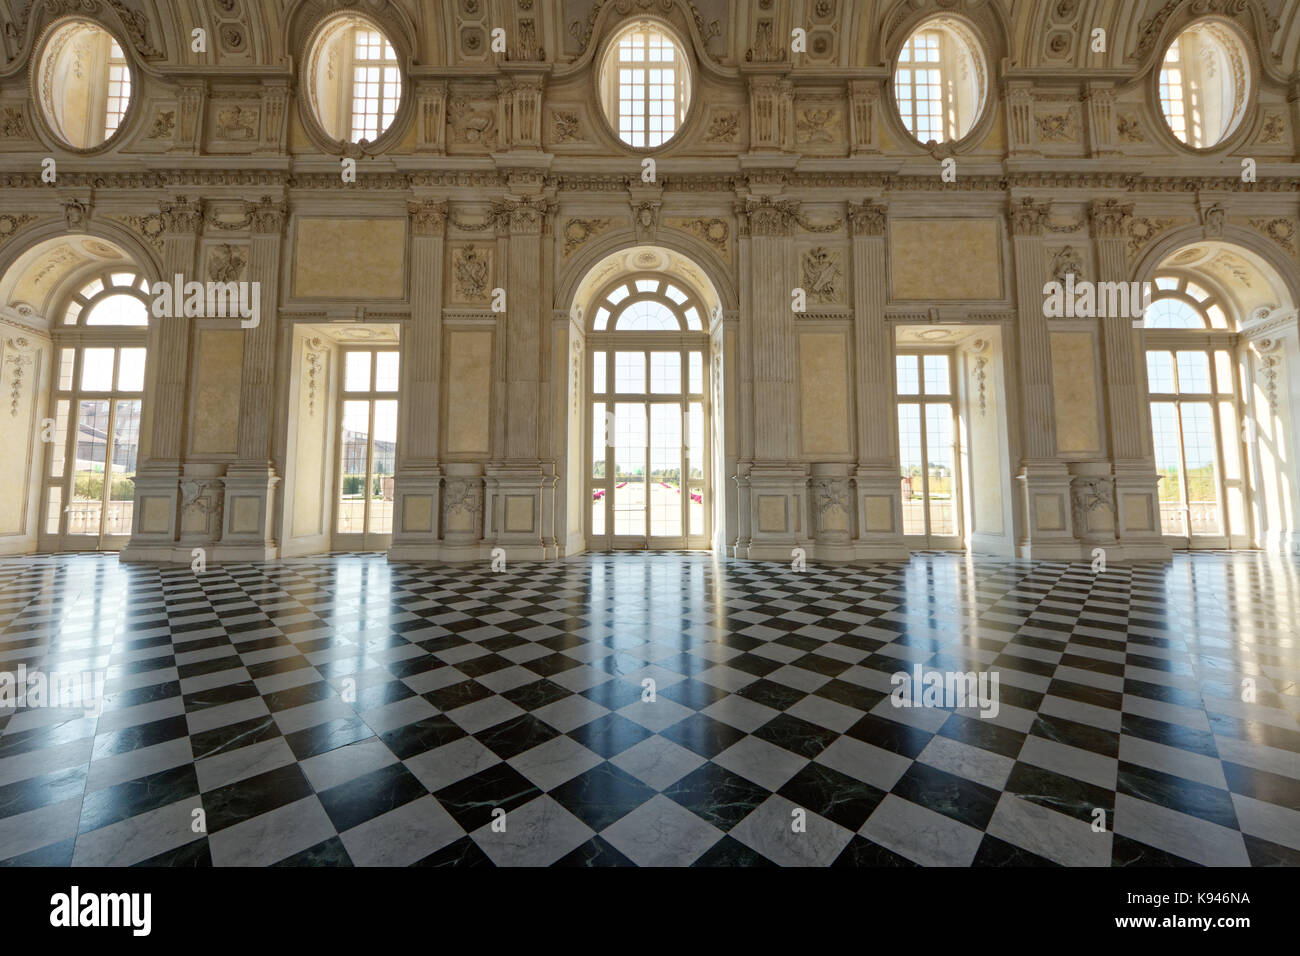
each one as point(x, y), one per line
point(343, 710)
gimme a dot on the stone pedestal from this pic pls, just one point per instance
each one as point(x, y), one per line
point(249, 504)
point(417, 494)
point(514, 506)
point(777, 512)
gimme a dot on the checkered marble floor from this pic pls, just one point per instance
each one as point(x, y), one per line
point(344, 710)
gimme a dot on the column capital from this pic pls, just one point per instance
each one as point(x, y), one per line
point(181, 216)
point(428, 217)
point(1110, 218)
point(267, 216)
point(867, 218)
point(1027, 216)
point(769, 217)
point(523, 217)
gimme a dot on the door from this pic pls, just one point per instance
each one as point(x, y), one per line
point(367, 450)
point(927, 450)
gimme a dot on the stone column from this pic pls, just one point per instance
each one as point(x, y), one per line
point(515, 482)
point(777, 480)
point(249, 533)
point(1045, 529)
point(876, 480)
point(418, 481)
point(1135, 483)
point(157, 481)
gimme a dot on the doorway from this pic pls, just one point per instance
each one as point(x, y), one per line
point(926, 396)
point(648, 418)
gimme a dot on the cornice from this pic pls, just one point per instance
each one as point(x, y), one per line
point(233, 178)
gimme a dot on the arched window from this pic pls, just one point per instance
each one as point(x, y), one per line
point(645, 85)
point(648, 370)
point(113, 298)
point(1203, 84)
point(83, 85)
point(1192, 381)
point(97, 401)
point(354, 80)
point(939, 81)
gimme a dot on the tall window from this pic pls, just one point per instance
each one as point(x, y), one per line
point(939, 81)
point(376, 88)
point(927, 448)
point(1203, 82)
point(98, 395)
point(367, 446)
point(645, 85)
point(1192, 382)
point(648, 483)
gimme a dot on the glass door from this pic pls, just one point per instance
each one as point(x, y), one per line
point(90, 473)
point(648, 423)
point(927, 450)
point(367, 450)
point(1193, 408)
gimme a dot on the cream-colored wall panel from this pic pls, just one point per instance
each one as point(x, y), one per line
point(218, 373)
point(469, 392)
point(945, 258)
point(1074, 383)
point(23, 365)
point(349, 258)
point(312, 442)
point(824, 395)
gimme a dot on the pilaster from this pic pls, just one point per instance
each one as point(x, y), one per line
point(418, 481)
point(157, 480)
point(877, 504)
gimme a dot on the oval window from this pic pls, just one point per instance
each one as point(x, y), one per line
point(1203, 84)
point(83, 84)
point(940, 81)
point(645, 85)
point(354, 80)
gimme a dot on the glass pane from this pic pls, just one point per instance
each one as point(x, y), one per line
point(1160, 372)
point(697, 373)
point(666, 373)
point(1223, 371)
point(629, 468)
point(693, 320)
point(130, 370)
point(600, 432)
point(1193, 373)
point(66, 359)
point(647, 316)
point(356, 372)
point(126, 446)
point(942, 485)
point(386, 364)
point(97, 370)
point(59, 449)
point(84, 510)
point(665, 470)
point(695, 440)
point(1201, 456)
point(598, 511)
point(53, 511)
point(909, 456)
point(909, 382)
point(118, 310)
point(629, 371)
point(598, 372)
point(936, 375)
point(695, 508)
point(383, 466)
point(354, 443)
point(1164, 435)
